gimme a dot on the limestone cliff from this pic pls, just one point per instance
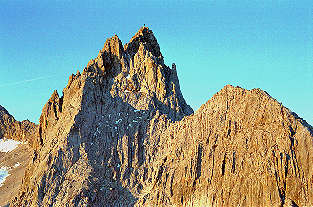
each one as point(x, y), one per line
point(122, 135)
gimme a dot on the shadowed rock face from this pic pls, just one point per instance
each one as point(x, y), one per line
point(12, 129)
point(123, 135)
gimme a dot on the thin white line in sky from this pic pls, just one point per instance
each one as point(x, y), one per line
point(26, 81)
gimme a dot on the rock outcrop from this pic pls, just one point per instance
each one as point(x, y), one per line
point(17, 130)
point(241, 148)
point(122, 135)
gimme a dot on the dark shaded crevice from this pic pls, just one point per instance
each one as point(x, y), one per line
point(234, 163)
point(223, 165)
point(229, 128)
point(55, 111)
point(286, 165)
point(140, 150)
point(281, 190)
point(228, 132)
point(294, 157)
point(213, 199)
point(160, 172)
point(42, 189)
point(40, 136)
point(296, 167)
point(171, 188)
point(292, 131)
point(199, 160)
point(213, 158)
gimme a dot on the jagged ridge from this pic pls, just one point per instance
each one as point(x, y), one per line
point(12, 129)
point(123, 135)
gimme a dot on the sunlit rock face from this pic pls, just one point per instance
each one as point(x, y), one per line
point(122, 135)
point(17, 130)
point(240, 148)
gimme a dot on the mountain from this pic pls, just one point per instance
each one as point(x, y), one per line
point(14, 156)
point(16, 130)
point(240, 148)
point(123, 135)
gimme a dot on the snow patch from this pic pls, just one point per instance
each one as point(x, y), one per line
point(17, 165)
point(3, 174)
point(7, 145)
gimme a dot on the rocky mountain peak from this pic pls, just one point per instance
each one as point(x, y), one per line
point(123, 135)
point(145, 38)
point(138, 71)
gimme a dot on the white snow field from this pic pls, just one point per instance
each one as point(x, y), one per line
point(3, 174)
point(7, 145)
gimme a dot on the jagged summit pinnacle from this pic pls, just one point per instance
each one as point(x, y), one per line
point(145, 37)
point(138, 69)
point(143, 31)
point(114, 53)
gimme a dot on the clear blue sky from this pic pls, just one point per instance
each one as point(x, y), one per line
point(254, 44)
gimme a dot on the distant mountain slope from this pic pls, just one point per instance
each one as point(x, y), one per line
point(12, 129)
point(122, 135)
point(14, 157)
point(15, 163)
